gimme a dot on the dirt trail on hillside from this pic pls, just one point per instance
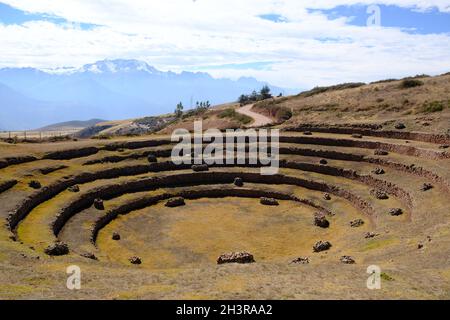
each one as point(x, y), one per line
point(259, 119)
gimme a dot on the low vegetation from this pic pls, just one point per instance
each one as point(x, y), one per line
point(342, 86)
point(273, 109)
point(410, 83)
point(231, 113)
point(435, 106)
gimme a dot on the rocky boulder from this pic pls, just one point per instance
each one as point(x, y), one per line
point(378, 171)
point(152, 158)
point(175, 202)
point(327, 196)
point(116, 236)
point(322, 246)
point(395, 212)
point(74, 188)
point(269, 201)
point(238, 182)
point(35, 184)
point(300, 260)
point(57, 249)
point(236, 257)
point(356, 223)
point(98, 204)
point(320, 220)
point(135, 260)
point(379, 194)
point(426, 187)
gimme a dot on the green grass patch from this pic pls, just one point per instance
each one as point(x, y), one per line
point(386, 277)
point(435, 106)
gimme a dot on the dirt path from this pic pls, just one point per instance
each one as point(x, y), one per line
point(260, 120)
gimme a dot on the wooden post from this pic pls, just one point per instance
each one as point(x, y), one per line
point(25, 134)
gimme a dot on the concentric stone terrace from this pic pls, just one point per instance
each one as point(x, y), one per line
point(140, 226)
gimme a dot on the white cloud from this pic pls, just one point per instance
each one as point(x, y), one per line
point(184, 35)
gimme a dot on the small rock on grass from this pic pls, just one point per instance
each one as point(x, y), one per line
point(395, 212)
point(300, 260)
point(116, 236)
point(135, 260)
point(356, 223)
point(347, 260)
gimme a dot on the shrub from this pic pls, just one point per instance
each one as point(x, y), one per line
point(410, 83)
point(435, 106)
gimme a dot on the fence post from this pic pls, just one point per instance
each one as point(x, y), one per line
point(25, 134)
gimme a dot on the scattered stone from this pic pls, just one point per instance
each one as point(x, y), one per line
point(116, 236)
point(89, 256)
point(395, 212)
point(356, 223)
point(98, 204)
point(35, 184)
point(378, 171)
point(444, 146)
point(238, 182)
point(152, 158)
point(426, 187)
point(301, 260)
point(307, 133)
point(74, 188)
point(323, 161)
point(357, 136)
point(347, 260)
point(236, 257)
point(379, 152)
point(175, 202)
point(135, 260)
point(426, 124)
point(320, 220)
point(200, 167)
point(420, 246)
point(400, 126)
point(369, 235)
point(327, 196)
point(379, 194)
point(269, 201)
point(321, 246)
point(57, 249)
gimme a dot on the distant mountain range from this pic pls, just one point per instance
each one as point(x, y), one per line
point(108, 89)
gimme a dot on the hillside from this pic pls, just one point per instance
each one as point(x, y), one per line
point(75, 124)
point(420, 103)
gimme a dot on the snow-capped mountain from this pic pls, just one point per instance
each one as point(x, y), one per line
point(108, 89)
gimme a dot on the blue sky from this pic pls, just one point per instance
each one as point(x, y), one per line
point(424, 22)
point(290, 43)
